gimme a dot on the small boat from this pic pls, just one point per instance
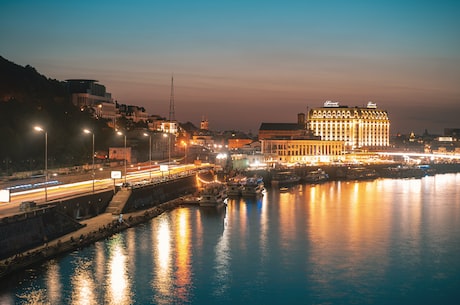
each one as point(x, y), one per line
point(285, 179)
point(284, 189)
point(235, 186)
point(253, 187)
point(361, 173)
point(213, 194)
point(316, 176)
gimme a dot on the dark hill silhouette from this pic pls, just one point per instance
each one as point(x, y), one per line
point(27, 99)
point(25, 84)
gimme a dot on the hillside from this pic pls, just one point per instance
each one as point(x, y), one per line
point(25, 84)
point(28, 98)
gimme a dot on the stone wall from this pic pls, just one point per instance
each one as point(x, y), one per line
point(148, 196)
point(22, 232)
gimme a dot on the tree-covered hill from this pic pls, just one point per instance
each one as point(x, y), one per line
point(27, 99)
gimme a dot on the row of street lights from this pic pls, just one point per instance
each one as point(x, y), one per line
point(40, 129)
point(88, 131)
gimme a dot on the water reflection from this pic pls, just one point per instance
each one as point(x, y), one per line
point(162, 276)
point(183, 265)
point(222, 276)
point(99, 262)
point(83, 292)
point(119, 284)
point(337, 242)
point(53, 282)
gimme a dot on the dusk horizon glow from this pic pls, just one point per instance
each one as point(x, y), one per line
point(240, 63)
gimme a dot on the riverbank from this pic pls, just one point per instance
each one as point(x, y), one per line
point(94, 229)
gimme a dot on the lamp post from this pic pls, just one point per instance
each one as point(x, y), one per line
point(169, 147)
point(163, 152)
point(185, 151)
point(150, 154)
point(87, 131)
point(38, 128)
point(121, 134)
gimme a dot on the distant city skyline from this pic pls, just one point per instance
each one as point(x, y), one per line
point(241, 63)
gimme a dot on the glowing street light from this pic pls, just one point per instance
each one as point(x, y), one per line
point(185, 151)
point(150, 154)
point(122, 134)
point(87, 131)
point(40, 129)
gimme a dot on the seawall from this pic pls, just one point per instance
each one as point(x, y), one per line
point(63, 226)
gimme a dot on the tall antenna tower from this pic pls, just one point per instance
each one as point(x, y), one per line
point(172, 116)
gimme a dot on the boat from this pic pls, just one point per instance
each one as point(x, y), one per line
point(253, 187)
point(316, 176)
point(213, 194)
point(235, 186)
point(361, 173)
point(281, 179)
point(403, 172)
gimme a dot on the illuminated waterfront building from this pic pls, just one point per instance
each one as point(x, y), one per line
point(301, 150)
point(359, 127)
point(293, 143)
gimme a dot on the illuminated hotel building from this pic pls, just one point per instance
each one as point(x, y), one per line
point(359, 127)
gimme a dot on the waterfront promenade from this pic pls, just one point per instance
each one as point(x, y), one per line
point(93, 229)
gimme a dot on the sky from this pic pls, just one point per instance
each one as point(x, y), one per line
point(240, 63)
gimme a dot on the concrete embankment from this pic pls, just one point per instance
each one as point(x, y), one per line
point(93, 229)
point(35, 236)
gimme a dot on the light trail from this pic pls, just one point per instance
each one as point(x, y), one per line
point(422, 155)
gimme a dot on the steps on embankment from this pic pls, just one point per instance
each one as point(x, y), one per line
point(119, 201)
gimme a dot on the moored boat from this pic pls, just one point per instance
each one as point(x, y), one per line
point(361, 173)
point(214, 194)
point(253, 187)
point(316, 176)
point(403, 172)
point(285, 179)
point(235, 186)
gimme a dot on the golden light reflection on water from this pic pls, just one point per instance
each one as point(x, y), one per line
point(131, 243)
point(53, 282)
point(99, 262)
point(243, 226)
point(83, 285)
point(162, 281)
point(351, 227)
point(199, 232)
point(183, 266)
point(287, 215)
point(118, 283)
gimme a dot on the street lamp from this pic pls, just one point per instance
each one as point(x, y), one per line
point(185, 151)
point(150, 154)
point(87, 131)
point(124, 154)
point(164, 136)
point(40, 129)
point(169, 146)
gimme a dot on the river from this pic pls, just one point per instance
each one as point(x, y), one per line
point(386, 241)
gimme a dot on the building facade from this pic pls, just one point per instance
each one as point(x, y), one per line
point(301, 150)
point(273, 130)
point(359, 127)
point(87, 93)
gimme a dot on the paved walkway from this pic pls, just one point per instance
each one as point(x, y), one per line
point(94, 229)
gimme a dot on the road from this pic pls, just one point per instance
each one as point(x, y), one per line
point(62, 191)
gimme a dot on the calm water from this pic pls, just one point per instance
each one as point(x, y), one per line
point(378, 242)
